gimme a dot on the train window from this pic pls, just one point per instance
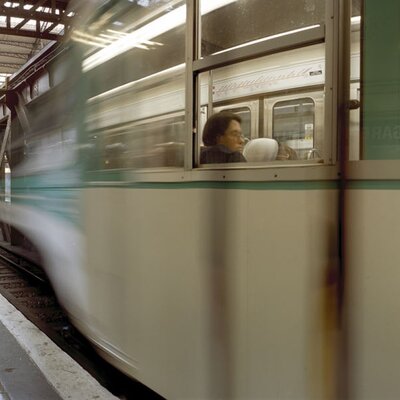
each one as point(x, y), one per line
point(355, 93)
point(135, 40)
point(153, 143)
point(50, 150)
point(226, 24)
point(157, 143)
point(293, 127)
point(290, 122)
point(139, 126)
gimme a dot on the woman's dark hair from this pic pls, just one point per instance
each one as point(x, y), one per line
point(216, 126)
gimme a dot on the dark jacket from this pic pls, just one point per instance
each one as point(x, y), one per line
point(219, 154)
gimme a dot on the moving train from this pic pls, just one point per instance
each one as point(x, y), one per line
point(233, 281)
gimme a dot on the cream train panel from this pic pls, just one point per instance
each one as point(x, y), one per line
point(372, 234)
point(222, 299)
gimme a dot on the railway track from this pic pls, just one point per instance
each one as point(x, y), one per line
point(24, 285)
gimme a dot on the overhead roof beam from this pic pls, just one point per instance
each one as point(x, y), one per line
point(45, 21)
point(35, 15)
point(38, 4)
point(36, 19)
point(32, 34)
point(34, 8)
point(61, 5)
point(49, 28)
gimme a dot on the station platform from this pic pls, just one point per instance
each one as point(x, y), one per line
point(32, 367)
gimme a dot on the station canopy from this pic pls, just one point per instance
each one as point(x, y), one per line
point(26, 26)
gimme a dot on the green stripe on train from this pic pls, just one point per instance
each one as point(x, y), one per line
point(59, 202)
point(373, 185)
point(33, 184)
point(115, 179)
point(281, 185)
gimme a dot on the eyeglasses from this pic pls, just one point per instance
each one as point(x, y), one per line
point(236, 135)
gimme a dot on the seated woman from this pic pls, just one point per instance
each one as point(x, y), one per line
point(222, 136)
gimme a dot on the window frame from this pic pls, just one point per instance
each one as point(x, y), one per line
point(269, 102)
point(123, 130)
point(327, 34)
point(331, 34)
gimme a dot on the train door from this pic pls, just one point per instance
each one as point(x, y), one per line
point(297, 121)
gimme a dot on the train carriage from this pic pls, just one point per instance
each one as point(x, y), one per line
point(209, 280)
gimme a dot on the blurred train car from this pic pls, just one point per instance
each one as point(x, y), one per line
point(201, 281)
